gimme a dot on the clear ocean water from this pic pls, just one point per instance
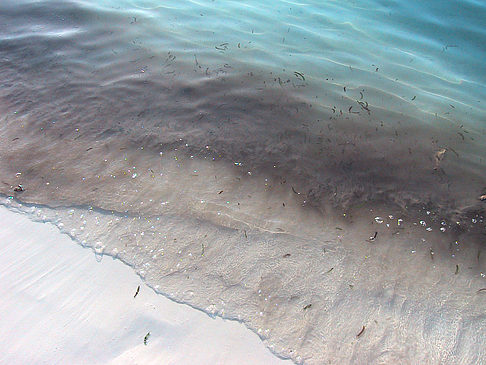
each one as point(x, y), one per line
point(314, 169)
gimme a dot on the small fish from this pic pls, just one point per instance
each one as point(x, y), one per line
point(145, 339)
point(361, 332)
point(138, 290)
point(307, 306)
point(457, 270)
point(286, 255)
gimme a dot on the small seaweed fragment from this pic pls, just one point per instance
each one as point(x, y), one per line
point(414, 97)
point(299, 75)
point(364, 105)
point(138, 290)
point(245, 234)
point(454, 151)
point(202, 249)
point(307, 306)
point(145, 339)
point(457, 270)
point(361, 332)
point(222, 47)
point(372, 238)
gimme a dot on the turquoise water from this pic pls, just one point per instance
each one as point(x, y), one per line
point(254, 129)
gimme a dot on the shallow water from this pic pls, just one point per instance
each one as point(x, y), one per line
point(241, 157)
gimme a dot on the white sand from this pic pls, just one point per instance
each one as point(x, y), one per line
point(59, 305)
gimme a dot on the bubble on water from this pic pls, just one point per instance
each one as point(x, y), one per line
point(423, 223)
point(134, 175)
point(379, 220)
point(442, 229)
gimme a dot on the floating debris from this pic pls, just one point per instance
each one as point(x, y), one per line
point(19, 188)
point(439, 156)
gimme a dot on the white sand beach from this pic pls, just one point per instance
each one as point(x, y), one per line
point(59, 305)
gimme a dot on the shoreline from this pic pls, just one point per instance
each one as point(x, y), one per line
point(64, 306)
